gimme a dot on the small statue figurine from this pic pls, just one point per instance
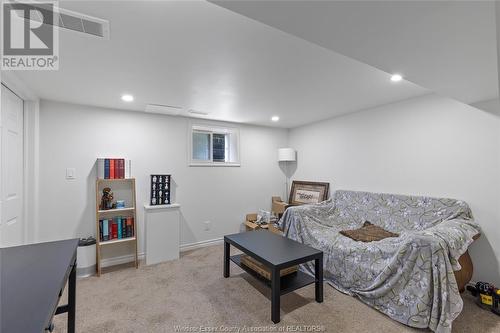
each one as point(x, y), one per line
point(107, 199)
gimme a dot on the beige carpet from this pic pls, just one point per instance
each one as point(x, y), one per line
point(191, 292)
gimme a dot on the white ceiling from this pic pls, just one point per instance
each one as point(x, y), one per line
point(446, 46)
point(200, 56)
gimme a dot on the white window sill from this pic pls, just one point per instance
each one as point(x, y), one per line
point(214, 164)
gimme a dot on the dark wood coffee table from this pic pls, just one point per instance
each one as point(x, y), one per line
point(276, 252)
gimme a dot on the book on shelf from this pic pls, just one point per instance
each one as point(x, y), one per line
point(105, 230)
point(117, 228)
point(124, 228)
point(100, 229)
point(121, 168)
point(130, 227)
point(114, 230)
point(113, 168)
point(119, 223)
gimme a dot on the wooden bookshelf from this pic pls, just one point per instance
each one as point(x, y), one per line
point(122, 240)
point(125, 190)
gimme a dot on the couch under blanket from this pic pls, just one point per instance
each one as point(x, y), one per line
point(409, 278)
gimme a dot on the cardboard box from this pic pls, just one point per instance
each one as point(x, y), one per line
point(251, 217)
point(250, 224)
point(275, 230)
point(250, 220)
point(262, 270)
point(278, 206)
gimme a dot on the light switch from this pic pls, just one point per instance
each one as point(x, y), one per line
point(70, 173)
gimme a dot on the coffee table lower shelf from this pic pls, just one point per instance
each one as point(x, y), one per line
point(288, 283)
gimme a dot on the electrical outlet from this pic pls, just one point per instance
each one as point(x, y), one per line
point(207, 225)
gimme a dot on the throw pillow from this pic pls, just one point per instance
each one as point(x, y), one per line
point(368, 233)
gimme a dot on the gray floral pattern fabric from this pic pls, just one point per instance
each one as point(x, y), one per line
point(409, 278)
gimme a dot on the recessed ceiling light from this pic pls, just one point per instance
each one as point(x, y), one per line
point(127, 98)
point(396, 77)
point(275, 118)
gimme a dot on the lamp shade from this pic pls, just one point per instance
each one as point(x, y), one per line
point(286, 154)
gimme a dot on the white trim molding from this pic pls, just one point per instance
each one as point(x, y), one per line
point(18, 86)
point(31, 168)
point(31, 111)
point(185, 247)
point(198, 245)
point(108, 262)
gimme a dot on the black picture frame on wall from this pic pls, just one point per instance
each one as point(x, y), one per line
point(160, 190)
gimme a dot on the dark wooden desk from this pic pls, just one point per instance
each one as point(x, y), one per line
point(276, 252)
point(32, 279)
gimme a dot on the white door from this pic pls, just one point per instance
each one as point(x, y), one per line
point(11, 169)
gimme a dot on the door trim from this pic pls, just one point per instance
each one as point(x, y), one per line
point(31, 112)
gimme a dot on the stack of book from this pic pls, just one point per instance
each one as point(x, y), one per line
point(113, 168)
point(116, 228)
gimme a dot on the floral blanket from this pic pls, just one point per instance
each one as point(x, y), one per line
point(409, 278)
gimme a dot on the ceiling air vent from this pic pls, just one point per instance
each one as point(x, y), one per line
point(70, 20)
point(199, 113)
point(164, 109)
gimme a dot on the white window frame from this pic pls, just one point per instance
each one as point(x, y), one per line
point(232, 145)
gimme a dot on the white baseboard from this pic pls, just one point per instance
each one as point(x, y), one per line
point(185, 247)
point(107, 262)
point(82, 272)
point(197, 245)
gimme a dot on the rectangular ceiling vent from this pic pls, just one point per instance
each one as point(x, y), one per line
point(70, 20)
point(199, 113)
point(164, 109)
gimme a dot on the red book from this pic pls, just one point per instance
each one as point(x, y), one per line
point(115, 230)
point(117, 168)
point(111, 169)
point(121, 168)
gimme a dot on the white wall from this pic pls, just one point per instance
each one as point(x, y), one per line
point(425, 146)
point(73, 136)
point(428, 146)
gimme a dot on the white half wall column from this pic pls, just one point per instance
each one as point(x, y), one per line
point(162, 228)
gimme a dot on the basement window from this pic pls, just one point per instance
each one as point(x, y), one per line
point(214, 146)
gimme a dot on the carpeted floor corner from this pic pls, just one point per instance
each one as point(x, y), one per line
point(191, 293)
